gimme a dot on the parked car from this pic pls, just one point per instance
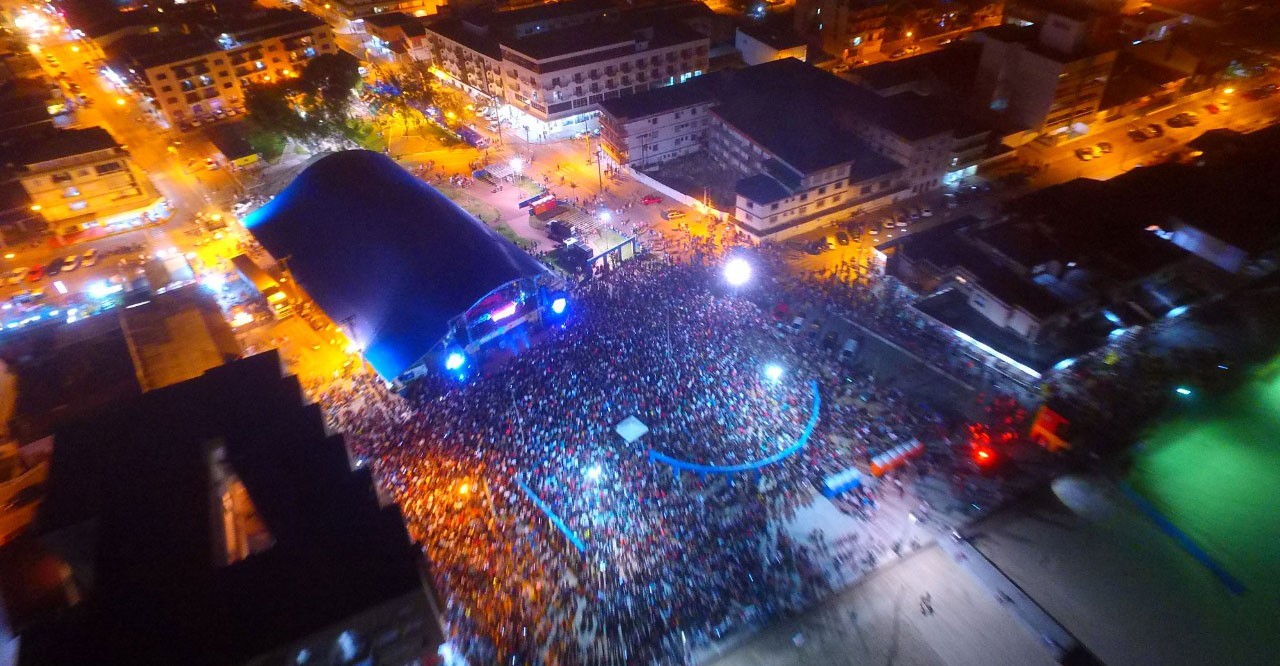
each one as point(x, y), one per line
point(70, 263)
point(1212, 108)
point(888, 223)
point(1154, 130)
point(1084, 154)
point(35, 274)
point(673, 214)
point(842, 238)
point(89, 258)
point(797, 325)
point(1137, 135)
point(53, 268)
point(1104, 147)
point(15, 276)
point(829, 341)
point(914, 214)
point(926, 212)
point(650, 199)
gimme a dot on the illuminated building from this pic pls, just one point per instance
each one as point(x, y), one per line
point(82, 178)
point(191, 78)
point(552, 65)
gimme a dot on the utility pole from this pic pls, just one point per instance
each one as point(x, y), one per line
point(599, 172)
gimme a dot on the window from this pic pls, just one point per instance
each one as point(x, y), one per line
point(804, 197)
point(161, 77)
point(109, 167)
point(70, 192)
point(773, 207)
point(227, 84)
point(217, 61)
point(822, 190)
point(773, 219)
point(866, 189)
point(171, 100)
point(78, 205)
point(61, 177)
point(166, 89)
point(271, 47)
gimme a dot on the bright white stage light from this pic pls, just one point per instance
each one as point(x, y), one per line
point(737, 271)
point(773, 371)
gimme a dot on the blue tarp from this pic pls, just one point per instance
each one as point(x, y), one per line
point(366, 239)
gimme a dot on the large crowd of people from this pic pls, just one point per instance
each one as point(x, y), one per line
point(650, 563)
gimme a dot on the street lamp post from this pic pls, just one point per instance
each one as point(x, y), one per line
point(599, 171)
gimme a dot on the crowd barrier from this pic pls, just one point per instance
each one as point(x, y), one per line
point(895, 456)
point(678, 464)
point(573, 538)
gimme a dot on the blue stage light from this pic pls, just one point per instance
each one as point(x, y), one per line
point(454, 361)
point(558, 305)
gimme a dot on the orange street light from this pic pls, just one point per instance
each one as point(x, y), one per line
point(464, 489)
point(36, 207)
point(1228, 91)
point(119, 101)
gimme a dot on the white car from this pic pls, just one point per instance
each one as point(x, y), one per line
point(70, 263)
point(926, 212)
point(888, 223)
point(89, 258)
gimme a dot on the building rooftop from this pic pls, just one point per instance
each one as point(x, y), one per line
point(698, 90)
point(544, 12)
point(153, 50)
point(566, 41)
point(459, 31)
point(762, 188)
point(792, 109)
point(62, 143)
point(136, 505)
point(775, 37)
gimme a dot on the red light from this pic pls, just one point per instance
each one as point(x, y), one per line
point(984, 456)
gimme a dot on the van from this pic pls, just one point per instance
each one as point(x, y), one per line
point(797, 325)
point(849, 350)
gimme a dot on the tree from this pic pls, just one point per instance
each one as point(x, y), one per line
point(329, 80)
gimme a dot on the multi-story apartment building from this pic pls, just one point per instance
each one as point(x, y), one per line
point(793, 177)
point(1046, 80)
point(848, 29)
point(81, 178)
point(190, 78)
point(549, 67)
point(663, 124)
point(349, 15)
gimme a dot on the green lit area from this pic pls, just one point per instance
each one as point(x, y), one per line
point(1214, 471)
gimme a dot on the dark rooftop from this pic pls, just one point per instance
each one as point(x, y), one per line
point(544, 12)
point(153, 50)
point(762, 189)
point(63, 143)
point(698, 90)
point(792, 109)
point(146, 475)
point(775, 37)
point(458, 31)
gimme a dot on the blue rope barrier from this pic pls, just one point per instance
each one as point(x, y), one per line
point(573, 538)
point(746, 467)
